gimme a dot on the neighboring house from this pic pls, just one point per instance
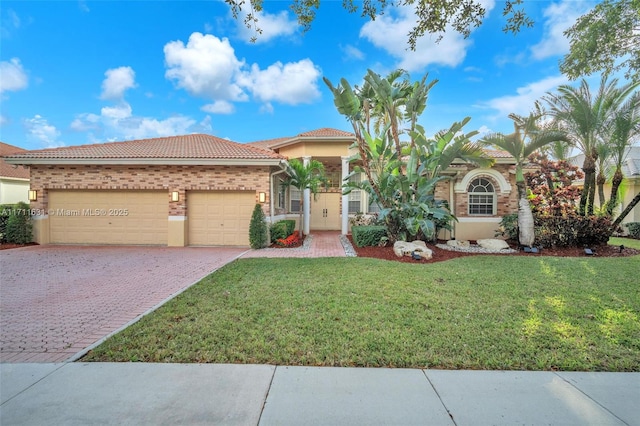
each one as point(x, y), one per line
point(201, 190)
point(14, 180)
point(630, 184)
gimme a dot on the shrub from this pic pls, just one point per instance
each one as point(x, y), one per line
point(365, 236)
point(634, 229)
point(258, 237)
point(6, 210)
point(572, 230)
point(508, 227)
point(18, 228)
point(281, 229)
point(291, 240)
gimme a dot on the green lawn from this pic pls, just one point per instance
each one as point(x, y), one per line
point(481, 312)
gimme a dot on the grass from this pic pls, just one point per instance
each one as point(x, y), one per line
point(480, 312)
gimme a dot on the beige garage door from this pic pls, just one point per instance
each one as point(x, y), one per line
point(108, 217)
point(220, 218)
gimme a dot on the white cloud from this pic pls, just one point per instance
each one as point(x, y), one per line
point(85, 122)
point(3, 120)
point(272, 26)
point(12, 76)
point(558, 18)
point(523, 101)
point(352, 52)
point(117, 81)
point(219, 107)
point(390, 33)
point(292, 83)
point(39, 129)
point(205, 67)
point(117, 112)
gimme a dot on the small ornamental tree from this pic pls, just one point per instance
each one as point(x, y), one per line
point(18, 227)
point(258, 230)
point(551, 184)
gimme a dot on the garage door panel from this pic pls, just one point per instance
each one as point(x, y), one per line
point(220, 218)
point(108, 217)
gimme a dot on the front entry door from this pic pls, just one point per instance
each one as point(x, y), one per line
point(325, 212)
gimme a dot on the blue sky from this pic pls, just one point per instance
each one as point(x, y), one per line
point(77, 72)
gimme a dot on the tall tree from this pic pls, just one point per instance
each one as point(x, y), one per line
point(432, 17)
point(584, 117)
point(624, 132)
point(605, 39)
point(527, 138)
point(301, 177)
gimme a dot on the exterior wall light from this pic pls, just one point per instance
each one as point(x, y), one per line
point(33, 195)
point(262, 197)
point(175, 196)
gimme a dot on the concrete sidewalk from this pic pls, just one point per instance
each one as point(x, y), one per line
point(141, 394)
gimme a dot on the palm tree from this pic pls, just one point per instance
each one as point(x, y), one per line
point(304, 176)
point(527, 138)
point(584, 117)
point(624, 131)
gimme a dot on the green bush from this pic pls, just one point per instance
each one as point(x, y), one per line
point(6, 210)
point(634, 229)
point(365, 236)
point(18, 228)
point(290, 224)
point(572, 231)
point(258, 228)
point(278, 231)
point(508, 227)
point(282, 229)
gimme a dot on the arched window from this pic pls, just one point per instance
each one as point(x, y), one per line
point(482, 197)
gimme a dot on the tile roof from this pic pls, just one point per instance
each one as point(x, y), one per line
point(9, 170)
point(268, 143)
point(325, 132)
point(495, 153)
point(196, 146)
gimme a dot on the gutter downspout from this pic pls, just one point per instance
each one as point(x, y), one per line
point(452, 204)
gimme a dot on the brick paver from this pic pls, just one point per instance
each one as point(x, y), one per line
point(55, 301)
point(323, 244)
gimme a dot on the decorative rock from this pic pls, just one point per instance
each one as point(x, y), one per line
point(493, 244)
point(403, 248)
point(458, 243)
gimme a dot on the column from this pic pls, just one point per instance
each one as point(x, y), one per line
point(345, 198)
point(306, 203)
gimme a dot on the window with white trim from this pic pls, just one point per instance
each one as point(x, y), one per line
point(295, 195)
point(355, 196)
point(482, 197)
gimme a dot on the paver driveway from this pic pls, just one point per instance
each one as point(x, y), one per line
point(56, 301)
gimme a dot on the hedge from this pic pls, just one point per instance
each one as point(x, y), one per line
point(365, 236)
point(634, 229)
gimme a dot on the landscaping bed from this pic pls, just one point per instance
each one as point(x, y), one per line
point(439, 255)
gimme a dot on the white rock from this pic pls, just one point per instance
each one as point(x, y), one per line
point(403, 248)
point(458, 243)
point(493, 244)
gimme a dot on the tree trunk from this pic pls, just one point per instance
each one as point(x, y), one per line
point(589, 169)
point(626, 211)
point(615, 185)
point(526, 229)
point(592, 184)
point(601, 180)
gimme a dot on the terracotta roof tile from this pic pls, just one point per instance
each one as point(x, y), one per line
point(494, 153)
point(268, 143)
point(196, 146)
point(9, 170)
point(325, 132)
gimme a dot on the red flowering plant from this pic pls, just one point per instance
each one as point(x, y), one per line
point(290, 241)
point(552, 192)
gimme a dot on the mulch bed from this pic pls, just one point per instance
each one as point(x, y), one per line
point(7, 246)
point(439, 255)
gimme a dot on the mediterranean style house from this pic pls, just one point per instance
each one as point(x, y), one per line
point(201, 190)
